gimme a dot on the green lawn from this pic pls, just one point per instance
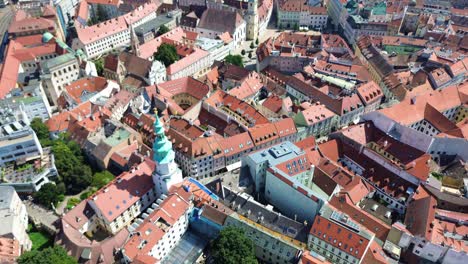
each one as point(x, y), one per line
point(40, 240)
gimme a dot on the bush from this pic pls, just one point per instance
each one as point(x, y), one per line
point(234, 60)
point(72, 202)
point(49, 255)
point(163, 30)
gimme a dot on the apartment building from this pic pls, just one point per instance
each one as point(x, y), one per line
point(297, 13)
point(18, 142)
point(14, 218)
point(160, 230)
point(338, 238)
point(111, 34)
point(315, 120)
point(57, 73)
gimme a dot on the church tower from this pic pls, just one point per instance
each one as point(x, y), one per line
point(251, 18)
point(167, 173)
point(134, 42)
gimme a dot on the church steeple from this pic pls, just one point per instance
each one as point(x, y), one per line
point(162, 147)
point(167, 173)
point(135, 42)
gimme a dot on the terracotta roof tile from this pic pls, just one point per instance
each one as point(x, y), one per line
point(420, 213)
point(121, 193)
point(357, 245)
point(343, 203)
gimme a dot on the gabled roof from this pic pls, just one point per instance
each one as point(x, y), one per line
point(125, 190)
point(343, 203)
point(442, 100)
point(84, 86)
point(420, 213)
point(341, 237)
point(220, 20)
point(155, 227)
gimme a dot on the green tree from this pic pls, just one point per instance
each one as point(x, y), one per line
point(250, 55)
point(235, 60)
point(42, 131)
point(99, 66)
point(163, 29)
point(167, 54)
point(256, 42)
point(101, 178)
point(252, 45)
point(49, 255)
point(47, 195)
point(296, 27)
point(242, 52)
point(232, 247)
point(70, 165)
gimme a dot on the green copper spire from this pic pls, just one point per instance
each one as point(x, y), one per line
point(162, 147)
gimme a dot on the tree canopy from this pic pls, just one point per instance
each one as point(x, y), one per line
point(99, 63)
point(42, 131)
point(235, 60)
point(48, 194)
point(51, 255)
point(167, 54)
point(69, 161)
point(101, 178)
point(163, 29)
point(232, 247)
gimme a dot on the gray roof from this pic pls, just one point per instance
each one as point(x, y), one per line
point(6, 195)
point(220, 20)
point(277, 154)
point(57, 61)
point(245, 205)
point(152, 24)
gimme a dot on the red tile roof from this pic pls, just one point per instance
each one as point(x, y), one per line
point(24, 49)
point(185, 85)
point(438, 233)
point(375, 254)
point(344, 204)
point(90, 34)
point(370, 92)
point(61, 121)
point(30, 25)
point(273, 103)
point(10, 249)
point(285, 127)
point(155, 226)
point(236, 144)
point(407, 157)
point(77, 88)
point(340, 237)
point(442, 100)
point(264, 133)
point(420, 213)
point(249, 86)
point(126, 189)
point(248, 113)
point(316, 113)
